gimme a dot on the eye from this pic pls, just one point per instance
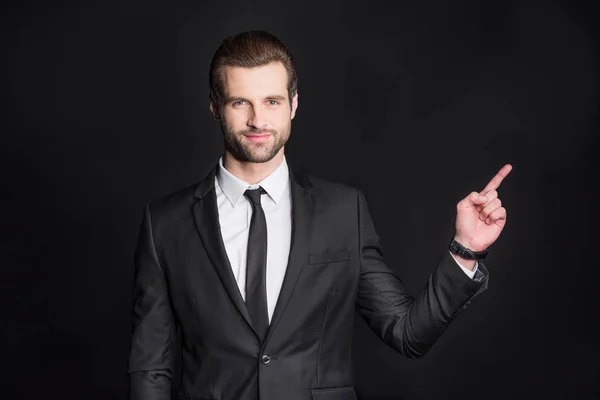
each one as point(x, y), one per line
point(238, 103)
point(272, 102)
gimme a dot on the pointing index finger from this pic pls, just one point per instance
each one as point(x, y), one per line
point(497, 180)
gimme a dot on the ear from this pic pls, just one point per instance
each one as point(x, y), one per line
point(294, 104)
point(214, 110)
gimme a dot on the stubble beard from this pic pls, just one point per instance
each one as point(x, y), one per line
point(244, 151)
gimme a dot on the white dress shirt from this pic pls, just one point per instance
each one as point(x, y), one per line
point(235, 212)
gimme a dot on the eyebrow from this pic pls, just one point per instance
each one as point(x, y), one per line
point(237, 98)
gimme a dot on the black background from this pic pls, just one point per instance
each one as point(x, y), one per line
point(106, 107)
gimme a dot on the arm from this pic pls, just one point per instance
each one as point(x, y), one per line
point(474, 273)
point(153, 325)
point(459, 261)
point(409, 325)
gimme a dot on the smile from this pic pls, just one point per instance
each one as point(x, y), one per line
point(258, 138)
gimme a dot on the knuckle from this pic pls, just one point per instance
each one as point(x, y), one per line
point(500, 212)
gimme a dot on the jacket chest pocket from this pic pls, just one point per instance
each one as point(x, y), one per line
point(329, 257)
point(341, 393)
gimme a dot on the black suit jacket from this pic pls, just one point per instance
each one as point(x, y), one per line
point(183, 281)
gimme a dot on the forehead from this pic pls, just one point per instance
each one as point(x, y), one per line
point(265, 80)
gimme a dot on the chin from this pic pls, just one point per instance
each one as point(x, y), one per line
point(261, 158)
point(260, 152)
point(246, 151)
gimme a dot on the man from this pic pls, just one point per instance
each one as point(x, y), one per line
point(261, 270)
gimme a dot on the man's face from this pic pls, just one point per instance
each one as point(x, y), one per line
point(256, 115)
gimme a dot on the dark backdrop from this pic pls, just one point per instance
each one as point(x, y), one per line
point(106, 107)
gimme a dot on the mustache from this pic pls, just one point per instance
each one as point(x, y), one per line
point(253, 131)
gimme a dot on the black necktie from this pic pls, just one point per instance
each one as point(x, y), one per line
point(256, 265)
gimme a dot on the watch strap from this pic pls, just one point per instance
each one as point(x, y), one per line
point(468, 254)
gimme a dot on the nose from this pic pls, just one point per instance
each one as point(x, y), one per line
point(258, 119)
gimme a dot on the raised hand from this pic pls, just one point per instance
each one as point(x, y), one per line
point(480, 217)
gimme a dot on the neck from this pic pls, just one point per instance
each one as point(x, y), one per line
point(251, 172)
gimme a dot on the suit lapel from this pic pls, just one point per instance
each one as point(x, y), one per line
point(206, 216)
point(302, 217)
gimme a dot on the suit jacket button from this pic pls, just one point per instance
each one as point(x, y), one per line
point(265, 359)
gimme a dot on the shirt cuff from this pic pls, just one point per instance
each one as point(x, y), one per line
point(470, 274)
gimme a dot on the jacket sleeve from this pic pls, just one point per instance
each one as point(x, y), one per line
point(410, 325)
point(150, 350)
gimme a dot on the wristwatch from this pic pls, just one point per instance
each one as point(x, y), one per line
point(468, 254)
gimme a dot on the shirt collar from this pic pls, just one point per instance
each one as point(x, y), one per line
point(234, 188)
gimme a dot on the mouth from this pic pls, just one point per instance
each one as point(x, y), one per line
point(258, 138)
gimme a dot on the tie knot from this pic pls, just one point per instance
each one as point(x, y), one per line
point(254, 195)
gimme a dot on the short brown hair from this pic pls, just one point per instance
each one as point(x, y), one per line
point(249, 49)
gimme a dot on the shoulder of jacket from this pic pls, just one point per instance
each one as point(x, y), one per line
point(329, 188)
point(173, 201)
